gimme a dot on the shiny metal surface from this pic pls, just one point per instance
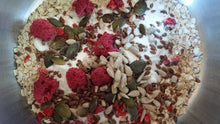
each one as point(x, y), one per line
point(204, 107)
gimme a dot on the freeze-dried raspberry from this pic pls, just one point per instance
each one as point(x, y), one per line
point(75, 78)
point(83, 7)
point(44, 88)
point(42, 72)
point(115, 4)
point(104, 45)
point(48, 111)
point(42, 29)
point(100, 76)
point(170, 21)
point(40, 116)
point(59, 31)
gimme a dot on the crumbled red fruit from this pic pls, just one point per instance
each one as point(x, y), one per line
point(40, 116)
point(147, 118)
point(176, 58)
point(99, 109)
point(100, 76)
point(75, 25)
point(90, 118)
point(44, 88)
point(59, 31)
point(120, 110)
point(42, 29)
point(104, 45)
point(76, 78)
point(115, 4)
point(85, 49)
point(48, 111)
point(99, 35)
point(89, 40)
point(90, 28)
point(26, 58)
point(42, 72)
point(166, 62)
point(169, 108)
point(170, 21)
point(83, 7)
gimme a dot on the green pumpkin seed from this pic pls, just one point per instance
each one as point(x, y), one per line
point(47, 60)
point(82, 112)
point(132, 84)
point(129, 102)
point(78, 30)
point(73, 117)
point(63, 110)
point(72, 50)
point(57, 118)
point(84, 21)
point(93, 105)
point(73, 31)
point(117, 24)
point(57, 45)
point(142, 29)
point(108, 18)
point(55, 22)
point(58, 61)
point(138, 66)
point(140, 7)
point(133, 111)
point(64, 49)
point(109, 98)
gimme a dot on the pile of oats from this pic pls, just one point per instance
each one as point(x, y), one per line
point(162, 90)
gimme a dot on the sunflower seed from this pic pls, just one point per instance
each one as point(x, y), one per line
point(174, 79)
point(110, 72)
point(134, 50)
point(114, 90)
point(155, 93)
point(82, 35)
point(108, 110)
point(167, 102)
point(157, 103)
point(134, 93)
point(103, 88)
point(123, 80)
point(70, 41)
point(144, 82)
point(114, 54)
point(142, 91)
point(124, 89)
point(140, 77)
point(118, 62)
point(103, 60)
point(123, 95)
point(103, 103)
point(118, 75)
point(125, 60)
point(162, 73)
point(128, 71)
point(143, 115)
point(145, 100)
point(149, 107)
point(85, 105)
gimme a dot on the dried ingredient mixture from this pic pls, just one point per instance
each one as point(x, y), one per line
point(108, 61)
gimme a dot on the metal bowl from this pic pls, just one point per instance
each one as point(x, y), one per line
point(204, 107)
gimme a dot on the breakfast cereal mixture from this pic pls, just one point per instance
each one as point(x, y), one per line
point(108, 61)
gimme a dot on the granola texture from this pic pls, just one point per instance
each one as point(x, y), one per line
point(152, 68)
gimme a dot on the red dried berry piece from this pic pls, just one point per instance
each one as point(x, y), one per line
point(99, 109)
point(42, 29)
point(166, 62)
point(83, 7)
point(59, 31)
point(90, 118)
point(42, 72)
point(115, 4)
point(44, 88)
point(147, 118)
point(100, 76)
point(120, 110)
point(76, 78)
point(169, 108)
point(75, 25)
point(26, 58)
point(170, 21)
point(104, 45)
point(176, 60)
point(89, 40)
point(40, 116)
point(85, 49)
point(90, 28)
point(48, 111)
